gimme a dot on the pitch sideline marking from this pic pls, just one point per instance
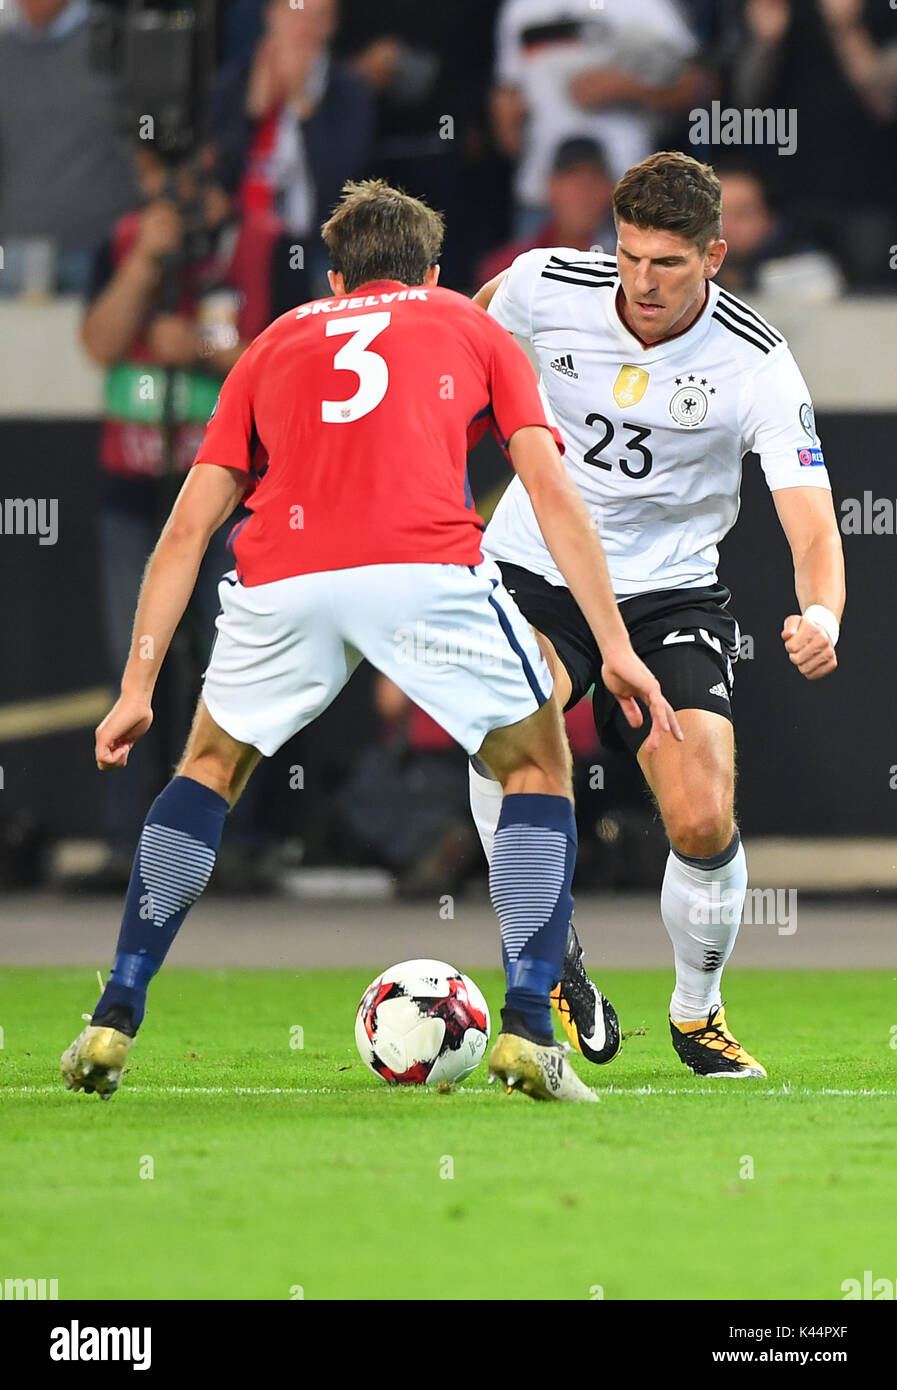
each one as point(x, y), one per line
point(611, 1091)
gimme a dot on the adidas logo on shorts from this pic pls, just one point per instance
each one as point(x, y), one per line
point(564, 365)
point(719, 690)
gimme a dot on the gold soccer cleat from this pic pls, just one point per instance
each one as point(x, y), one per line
point(95, 1060)
point(539, 1070)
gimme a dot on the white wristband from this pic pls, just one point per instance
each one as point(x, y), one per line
point(823, 617)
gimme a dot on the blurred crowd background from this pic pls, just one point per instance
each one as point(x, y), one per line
point(176, 190)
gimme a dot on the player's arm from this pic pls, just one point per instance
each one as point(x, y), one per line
point(810, 525)
point(575, 546)
point(207, 498)
point(778, 422)
point(508, 296)
point(483, 296)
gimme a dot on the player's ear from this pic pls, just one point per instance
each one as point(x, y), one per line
point(714, 257)
point(337, 283)
point(431, 276)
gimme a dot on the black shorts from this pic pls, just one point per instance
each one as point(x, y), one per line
point(686, 637)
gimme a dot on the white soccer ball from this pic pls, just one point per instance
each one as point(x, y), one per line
point(422, 1022)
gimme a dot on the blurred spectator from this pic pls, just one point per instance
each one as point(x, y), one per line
point(429, 66)
point(291, 124)
point(580, 204)
point(835, 63)
point(179, 290)
point(765, 255)
point(65, 175)
point(715, 23)
point(10, 14)
point(565, 68)
point(240, 26)
point(406, 803)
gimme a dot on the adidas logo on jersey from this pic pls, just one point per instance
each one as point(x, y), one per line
point(564, 365)
point(719, 690)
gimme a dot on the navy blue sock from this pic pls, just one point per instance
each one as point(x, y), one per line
point(529, 881)
point(175, 856)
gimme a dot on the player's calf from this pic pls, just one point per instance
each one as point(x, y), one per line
point(587, 1016)
point(175, 857)
point(530, 878)
point(174, 860)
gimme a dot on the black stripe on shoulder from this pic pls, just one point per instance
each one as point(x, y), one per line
point(746, 336)
point(754, 328)
point(581, 268)
point(733, 304)
point(586, 284)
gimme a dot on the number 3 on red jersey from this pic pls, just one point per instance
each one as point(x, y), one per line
point(369, 367)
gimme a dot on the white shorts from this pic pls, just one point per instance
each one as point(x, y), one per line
point(450, 637)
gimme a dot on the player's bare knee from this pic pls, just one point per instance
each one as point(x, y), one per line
point(701, 837)
point(533, 756)
point(700, 831)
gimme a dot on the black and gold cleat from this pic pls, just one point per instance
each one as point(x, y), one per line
point(710, 1049)
point(588, 1018)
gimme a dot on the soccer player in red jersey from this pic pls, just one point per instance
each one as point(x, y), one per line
point(345, 428)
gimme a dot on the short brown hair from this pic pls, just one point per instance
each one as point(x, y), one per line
point(377, 232)
point(671, 192)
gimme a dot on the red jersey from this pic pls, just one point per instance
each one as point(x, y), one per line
point(353, 417)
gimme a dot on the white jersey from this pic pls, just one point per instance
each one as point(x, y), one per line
point(654, 435)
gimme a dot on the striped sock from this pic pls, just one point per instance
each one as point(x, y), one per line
point(529, 881)
point(175, 856)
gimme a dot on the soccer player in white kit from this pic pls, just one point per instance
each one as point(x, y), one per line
point(660, 383)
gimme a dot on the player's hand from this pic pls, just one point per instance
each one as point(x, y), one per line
point(809, 648)
point(128, 719)
point(628, 678)
point(172, 340)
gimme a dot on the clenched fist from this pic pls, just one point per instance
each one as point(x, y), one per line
point(128, 719)
point(809, 648)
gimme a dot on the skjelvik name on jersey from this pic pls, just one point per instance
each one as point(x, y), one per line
point(366, 301)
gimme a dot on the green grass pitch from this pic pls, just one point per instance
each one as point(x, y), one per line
point(277, 1169)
